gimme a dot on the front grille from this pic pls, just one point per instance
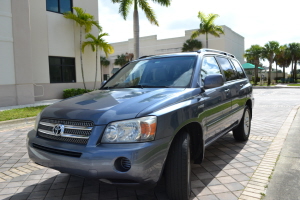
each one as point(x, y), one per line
point(57, 151)
point(67, 131)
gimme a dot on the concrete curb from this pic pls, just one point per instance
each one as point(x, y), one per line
point(276, 87)
point(17, 121)
point(256, 187)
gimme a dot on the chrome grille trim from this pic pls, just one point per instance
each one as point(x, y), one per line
point(72, 131)
point(64, 134)
point(85, 128)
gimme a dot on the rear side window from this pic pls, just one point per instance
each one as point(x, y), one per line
point(229, 71)
point(209, 67)
point(239, 69)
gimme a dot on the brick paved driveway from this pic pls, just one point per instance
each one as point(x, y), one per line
point(230, 169)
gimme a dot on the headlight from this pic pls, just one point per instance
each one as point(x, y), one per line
point(135, 130)
point(37, 120)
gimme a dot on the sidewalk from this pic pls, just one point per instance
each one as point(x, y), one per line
point(285, 180)
point(37, 103)
point(281, 85)
point(17, 123)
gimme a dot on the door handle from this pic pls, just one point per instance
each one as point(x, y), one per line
point(227, 90)
point(242, 85)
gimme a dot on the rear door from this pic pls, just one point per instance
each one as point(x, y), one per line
point(231, 87)
point(239, 92)
point(215, 102)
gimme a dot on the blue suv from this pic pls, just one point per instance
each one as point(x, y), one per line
point(152, 118)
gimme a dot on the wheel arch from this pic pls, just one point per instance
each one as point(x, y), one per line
point(196, 139)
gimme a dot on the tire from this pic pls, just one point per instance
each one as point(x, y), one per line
point(178, 168)
point(242, 131)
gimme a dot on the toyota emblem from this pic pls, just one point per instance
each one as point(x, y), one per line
point(58, 129)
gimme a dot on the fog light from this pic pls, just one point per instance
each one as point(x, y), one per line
point(122, 164)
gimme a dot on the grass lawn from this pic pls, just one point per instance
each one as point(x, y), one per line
point(294, 84)
point(19, 113)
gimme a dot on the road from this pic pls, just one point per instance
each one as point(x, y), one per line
point(231, 170)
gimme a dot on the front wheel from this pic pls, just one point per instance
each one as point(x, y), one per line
point(242, 132)
point(178, 168)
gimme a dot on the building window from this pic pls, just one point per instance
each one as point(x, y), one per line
point(59, 6)
point(62, 70)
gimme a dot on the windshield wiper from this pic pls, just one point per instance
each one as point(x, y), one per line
point(136, 86)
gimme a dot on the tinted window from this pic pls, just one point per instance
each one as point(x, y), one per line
point(239, 69)
point(229, 71)
point(155, 73)
point(62, 70)
point(59, 6)
point(209, 67)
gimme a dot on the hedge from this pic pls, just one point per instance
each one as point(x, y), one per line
point(74, 92)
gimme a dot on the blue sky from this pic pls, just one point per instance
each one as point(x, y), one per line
point(258, 21)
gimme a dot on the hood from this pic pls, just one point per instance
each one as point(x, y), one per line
point(105, 106)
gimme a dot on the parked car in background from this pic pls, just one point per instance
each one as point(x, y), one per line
point(152, 118)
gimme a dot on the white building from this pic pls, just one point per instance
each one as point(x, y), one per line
point(230, 42)
point(39, 50)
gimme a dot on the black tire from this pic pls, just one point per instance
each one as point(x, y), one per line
point(242, 131)
point(178, 168)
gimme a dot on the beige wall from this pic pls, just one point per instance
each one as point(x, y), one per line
point(28, 36)
point(231, 42)
point(7, 71)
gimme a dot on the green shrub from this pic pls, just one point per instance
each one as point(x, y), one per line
point(257, 79)
point(74, 92)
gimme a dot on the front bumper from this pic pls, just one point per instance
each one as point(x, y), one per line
point(99, 161)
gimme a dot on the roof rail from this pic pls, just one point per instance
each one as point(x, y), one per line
point(215, 51)
point(145, 56)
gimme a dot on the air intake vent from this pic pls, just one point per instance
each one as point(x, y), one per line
point(57, 151)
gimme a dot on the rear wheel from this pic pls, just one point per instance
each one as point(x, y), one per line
point(178, 168)
point(242, 132)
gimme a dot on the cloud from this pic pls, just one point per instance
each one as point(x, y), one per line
point(257, 21)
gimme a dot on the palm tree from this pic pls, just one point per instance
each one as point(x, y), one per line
point(284, 58)
point(191, 45)
point(104, 62)
point(121, 60)
point(269, 51)
point(144, 5)
point(207, 26)
point(86, 21)
point(253, 55)
point(295, 53)
point(98, 43)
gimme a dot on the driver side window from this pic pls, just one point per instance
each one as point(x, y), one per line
point(209, 67)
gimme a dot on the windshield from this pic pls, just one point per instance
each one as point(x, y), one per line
point(159, 72)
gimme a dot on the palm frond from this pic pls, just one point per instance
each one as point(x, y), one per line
point(144, 5)
point(86, 43)
point(125, 7)
point(195, 34)
point(163, 2)
point(90, 36)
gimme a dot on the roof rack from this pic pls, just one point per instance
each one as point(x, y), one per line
point(215, 51)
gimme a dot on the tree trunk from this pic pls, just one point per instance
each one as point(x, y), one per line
point(295, 71)
point(96, 68)
point(255, 74)
point(101, 70)
point(284, 73)
point(270, 70)
point(206, 40)
point(81, 59)
point(276, 73)
point(136, 31)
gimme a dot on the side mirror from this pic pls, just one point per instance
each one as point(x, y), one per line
point(103, 83)
point(212, 81)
